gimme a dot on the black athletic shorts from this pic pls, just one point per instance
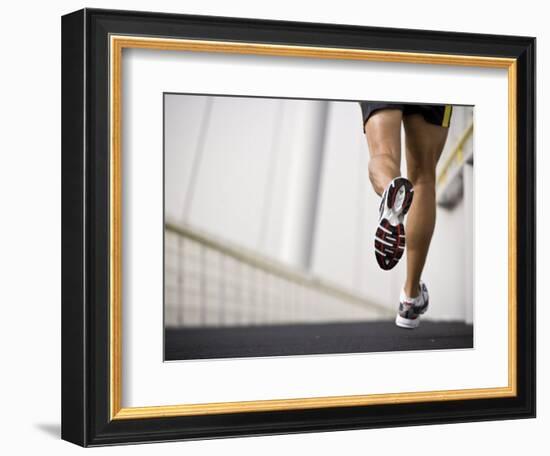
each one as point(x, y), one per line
point(434, 114)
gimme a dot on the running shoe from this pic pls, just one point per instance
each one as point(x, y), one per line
point(410, 309)
point(389, 241)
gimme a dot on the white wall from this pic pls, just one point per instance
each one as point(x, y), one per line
point(30, 239)
point(234, 167)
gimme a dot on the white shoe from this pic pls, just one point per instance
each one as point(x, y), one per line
point(389, 240)
point(410, 309)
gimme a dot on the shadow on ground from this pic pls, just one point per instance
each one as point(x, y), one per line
point(52, 429)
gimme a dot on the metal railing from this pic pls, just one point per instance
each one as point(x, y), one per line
point(212, 282)
point(456, 157)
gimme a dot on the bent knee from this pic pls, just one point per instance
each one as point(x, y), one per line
point(424, 179)
point(421, 171)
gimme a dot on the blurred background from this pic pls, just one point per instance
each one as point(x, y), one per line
point(270, 216)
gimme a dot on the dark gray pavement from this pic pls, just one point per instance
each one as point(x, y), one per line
point(309, 339)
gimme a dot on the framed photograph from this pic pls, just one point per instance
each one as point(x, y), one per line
point(277, 227)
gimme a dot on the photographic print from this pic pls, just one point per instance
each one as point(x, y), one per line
point(310, 226)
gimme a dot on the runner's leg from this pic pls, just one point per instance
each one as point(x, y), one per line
point(424, 143)
point(383, 132)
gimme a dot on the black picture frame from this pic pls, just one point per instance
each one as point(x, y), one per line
point(86, 415)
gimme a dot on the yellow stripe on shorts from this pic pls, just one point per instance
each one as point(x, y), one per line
point(447, 116)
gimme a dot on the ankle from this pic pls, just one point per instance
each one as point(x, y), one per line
point(411, 291)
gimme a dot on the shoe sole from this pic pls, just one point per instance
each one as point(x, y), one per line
point(407, 322)
point(389, 240)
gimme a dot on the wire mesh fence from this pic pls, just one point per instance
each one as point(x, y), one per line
point(211, 283)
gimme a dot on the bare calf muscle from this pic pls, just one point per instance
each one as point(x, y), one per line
point(383, 132)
